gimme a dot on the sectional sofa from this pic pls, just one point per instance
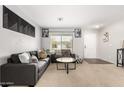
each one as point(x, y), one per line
point(16, 73)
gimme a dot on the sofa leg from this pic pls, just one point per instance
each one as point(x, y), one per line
point(4, 85)
point(31, 85)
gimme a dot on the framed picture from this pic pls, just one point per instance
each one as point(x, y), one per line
point(14, 22)
point(45, 32)
point(106, 37)
point(77, 32)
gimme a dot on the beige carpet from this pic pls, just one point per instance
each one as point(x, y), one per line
point(86, 75)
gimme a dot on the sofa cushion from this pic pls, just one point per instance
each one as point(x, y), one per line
point(45, 59)
point(15, 58)
point(41, 65)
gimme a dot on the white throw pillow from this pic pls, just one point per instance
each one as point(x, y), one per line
point(24, 57)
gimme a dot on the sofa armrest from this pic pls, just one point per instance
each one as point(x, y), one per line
point(73, 55)
point(19, 74)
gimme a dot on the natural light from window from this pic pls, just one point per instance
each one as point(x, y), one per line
point(58, 42)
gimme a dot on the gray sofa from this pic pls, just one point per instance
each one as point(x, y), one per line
point(17, 73)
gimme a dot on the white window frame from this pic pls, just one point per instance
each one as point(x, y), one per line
point(61, 40)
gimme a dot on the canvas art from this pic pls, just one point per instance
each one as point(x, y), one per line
point(106, 37)
point(77, 32)
point(45, 32)
point(15, 23)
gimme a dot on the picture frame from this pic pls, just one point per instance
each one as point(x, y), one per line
point(77, 32)
point(106, 37)
point(45, 32)
point(15, 23)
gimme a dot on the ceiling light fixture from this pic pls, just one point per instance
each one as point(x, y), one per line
point(98, 26)
point(60, 19)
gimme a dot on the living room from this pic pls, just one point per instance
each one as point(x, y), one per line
point(92, 35)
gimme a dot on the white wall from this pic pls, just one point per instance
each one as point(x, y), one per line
point(107, 50)
point(78, 43)
point(45, 43)
point(14, 42)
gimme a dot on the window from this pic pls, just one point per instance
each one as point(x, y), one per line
point(66, 42)
point(59, 42)
point(55, 42)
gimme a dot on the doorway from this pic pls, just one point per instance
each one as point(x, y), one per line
point(90, 44)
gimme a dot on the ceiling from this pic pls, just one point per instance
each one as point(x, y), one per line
point(73, 15)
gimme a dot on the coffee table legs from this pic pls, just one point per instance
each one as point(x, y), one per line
point(67, 69)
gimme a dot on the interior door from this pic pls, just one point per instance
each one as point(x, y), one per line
point(90, 44)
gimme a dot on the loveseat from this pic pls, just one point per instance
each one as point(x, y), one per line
point(62, 53)
point(16, 73)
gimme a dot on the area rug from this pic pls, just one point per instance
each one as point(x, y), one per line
point(96, 61)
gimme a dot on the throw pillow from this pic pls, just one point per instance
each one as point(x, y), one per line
point(34, 59)
point(15, 58)
point(66, 52)
point(43, 54)
point(24, 57)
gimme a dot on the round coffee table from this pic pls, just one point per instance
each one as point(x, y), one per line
point(66, 61)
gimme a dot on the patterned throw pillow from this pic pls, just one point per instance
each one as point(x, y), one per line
point(33, 59)
point(66, 52)
point(43, 54)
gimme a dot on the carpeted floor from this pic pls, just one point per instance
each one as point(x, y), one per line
point(96, 61)
point(86, 75)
